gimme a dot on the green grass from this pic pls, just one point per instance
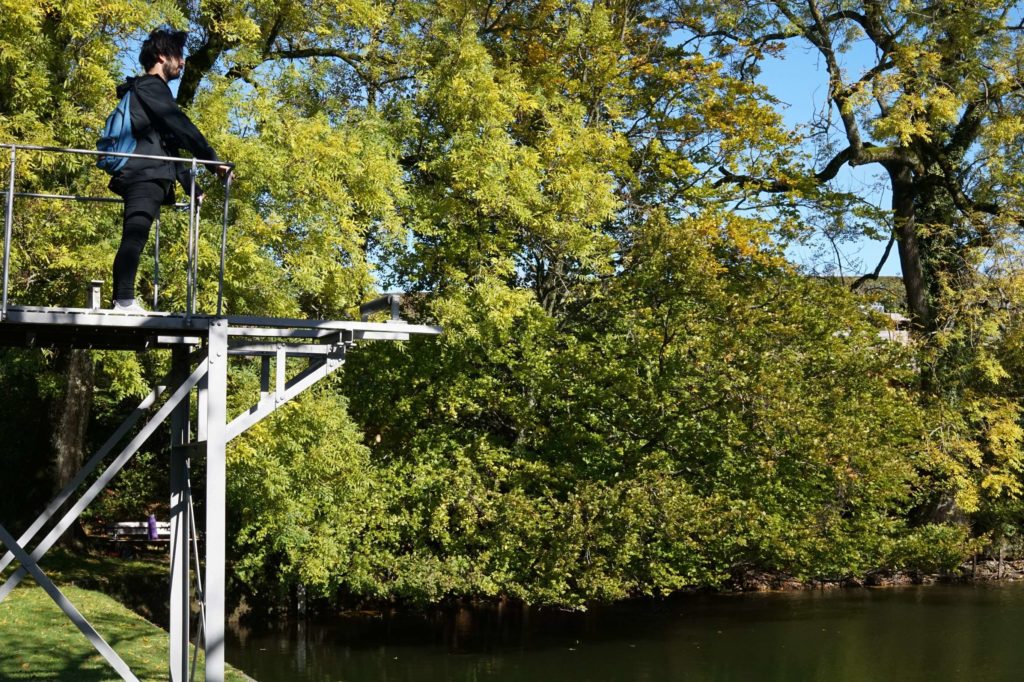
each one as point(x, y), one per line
point(140, 584)
point(38, 642)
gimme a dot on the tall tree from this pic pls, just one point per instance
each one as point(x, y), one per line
point(59, 62)
point(930, 94)
point(935, 103)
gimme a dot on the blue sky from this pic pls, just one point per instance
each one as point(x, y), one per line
point(799, 80)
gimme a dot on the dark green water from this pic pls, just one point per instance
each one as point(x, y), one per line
point(918, 633)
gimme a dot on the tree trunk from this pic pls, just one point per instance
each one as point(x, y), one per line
point(904, 216)
point(200, 62)
point(69, 417)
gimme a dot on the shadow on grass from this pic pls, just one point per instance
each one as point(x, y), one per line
point(140, 584)
point(41, 643)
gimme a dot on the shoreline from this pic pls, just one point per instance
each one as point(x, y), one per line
point(986, 571)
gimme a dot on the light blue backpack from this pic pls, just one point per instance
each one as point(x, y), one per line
point(117, 136)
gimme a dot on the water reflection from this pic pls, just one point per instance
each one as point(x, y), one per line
point(925, 633)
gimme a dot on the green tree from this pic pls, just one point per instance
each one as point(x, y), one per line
point(935, 107)
point(930, 94)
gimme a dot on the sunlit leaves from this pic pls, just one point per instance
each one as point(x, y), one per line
point(634, 391)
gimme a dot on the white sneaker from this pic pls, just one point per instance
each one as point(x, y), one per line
point(132, 308)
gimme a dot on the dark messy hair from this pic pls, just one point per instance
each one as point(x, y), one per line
point(162, 43)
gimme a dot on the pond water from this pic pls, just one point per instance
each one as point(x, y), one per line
point(909, 633)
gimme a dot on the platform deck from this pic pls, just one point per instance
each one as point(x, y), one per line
point(31, 326)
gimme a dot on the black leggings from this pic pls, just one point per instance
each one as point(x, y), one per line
point(142, 202)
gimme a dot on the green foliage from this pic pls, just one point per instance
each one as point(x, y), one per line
point(634, 392)
point(707, 411)
point(301, 493)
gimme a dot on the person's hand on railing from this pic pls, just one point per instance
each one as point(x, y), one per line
point(224, 172)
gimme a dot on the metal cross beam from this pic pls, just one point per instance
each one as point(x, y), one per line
point(322, 346)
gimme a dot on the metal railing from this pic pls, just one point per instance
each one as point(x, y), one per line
point(192, 261)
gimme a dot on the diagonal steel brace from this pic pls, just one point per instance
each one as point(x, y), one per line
point(80, 477)
point(108, 474)
point(285, 392)
point(67, 607)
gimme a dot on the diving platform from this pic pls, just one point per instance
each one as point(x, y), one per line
point(192, 399)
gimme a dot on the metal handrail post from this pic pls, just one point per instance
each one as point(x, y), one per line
point(8, 222)
point(188, 263)
point(156, 266)
point(223, 245)
point(190, 284)
point(195, 257)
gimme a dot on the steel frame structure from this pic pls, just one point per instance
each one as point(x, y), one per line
point(200, 346)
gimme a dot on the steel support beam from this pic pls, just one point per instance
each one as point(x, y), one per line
point(264, 377)
point(292, 350)
point(202, 407)
point(200, 593)
point(216, 497)
point(181, 527)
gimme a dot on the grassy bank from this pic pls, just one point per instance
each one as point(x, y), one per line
point(38, 642)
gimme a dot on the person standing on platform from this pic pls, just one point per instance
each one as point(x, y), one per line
point(160, 128)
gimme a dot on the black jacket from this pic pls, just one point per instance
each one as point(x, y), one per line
point(160, 129)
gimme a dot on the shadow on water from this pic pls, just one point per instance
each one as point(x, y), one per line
point(916, 633)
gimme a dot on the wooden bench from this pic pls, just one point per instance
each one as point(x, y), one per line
point(129, 536)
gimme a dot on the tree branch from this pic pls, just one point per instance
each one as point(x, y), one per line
point(878, 268)
point(200, 63)
point(351, 58)
point(868, 154)
point(831, 169)
point(839, 92)
point(493, 26)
